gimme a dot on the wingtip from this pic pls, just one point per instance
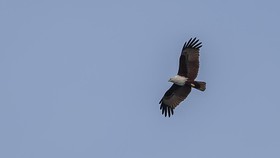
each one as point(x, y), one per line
point(189, 42)
point(193, 43)
point(198, 45)
point(166, 110)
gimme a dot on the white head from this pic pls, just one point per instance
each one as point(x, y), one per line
point(179, 80)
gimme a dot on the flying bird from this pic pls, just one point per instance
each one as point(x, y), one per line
point(184, 81)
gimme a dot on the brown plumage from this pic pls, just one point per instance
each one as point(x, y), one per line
point(188, 68)
point(189, 59)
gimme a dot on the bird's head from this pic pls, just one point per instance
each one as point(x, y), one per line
point(179, 80)
point(172, 79)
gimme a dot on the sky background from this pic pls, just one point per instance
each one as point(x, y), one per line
point(84, 78)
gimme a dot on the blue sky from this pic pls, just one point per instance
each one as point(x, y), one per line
point(84, 78)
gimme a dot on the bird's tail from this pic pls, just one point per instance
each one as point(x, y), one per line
point(199, 85)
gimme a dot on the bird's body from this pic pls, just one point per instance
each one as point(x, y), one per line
point(184, 81)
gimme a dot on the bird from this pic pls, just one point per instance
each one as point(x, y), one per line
point(184, 81)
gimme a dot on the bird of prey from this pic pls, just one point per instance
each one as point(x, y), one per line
point(184, 81)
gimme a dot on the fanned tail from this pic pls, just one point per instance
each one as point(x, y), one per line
point(199, 85)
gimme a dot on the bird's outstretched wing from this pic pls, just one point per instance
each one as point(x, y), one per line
point(189, 59)
point(173, 97)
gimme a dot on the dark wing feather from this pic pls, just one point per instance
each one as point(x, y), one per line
point(189, 59)
point(183, 71)
point(173, 97)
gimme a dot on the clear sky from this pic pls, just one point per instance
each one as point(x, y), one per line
point(84, 78)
